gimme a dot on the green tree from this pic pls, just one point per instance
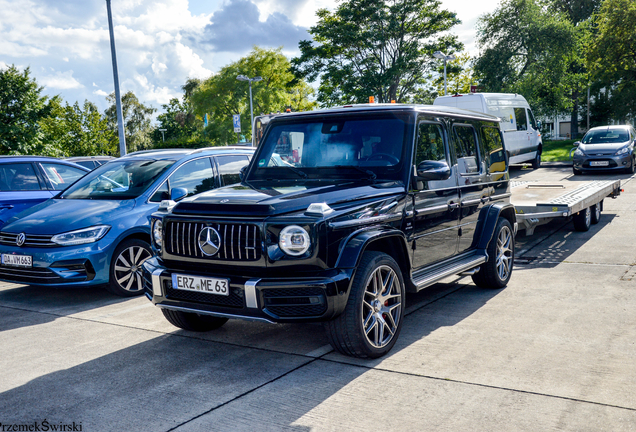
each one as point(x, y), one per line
point(137, 121)
point(532, 48)
point(181, 125)
point(222, 95)
point(611, 55)
point(74, 130)
point(380, 48)
point(21, 108)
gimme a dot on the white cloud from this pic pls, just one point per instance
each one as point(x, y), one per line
point(100, 93)
point(61, 80)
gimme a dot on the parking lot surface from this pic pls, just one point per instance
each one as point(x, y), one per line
point(554, 350)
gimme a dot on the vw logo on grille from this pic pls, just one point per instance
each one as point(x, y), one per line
point(209, 241)
point(20, 239)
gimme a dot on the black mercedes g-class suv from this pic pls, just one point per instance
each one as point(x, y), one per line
point(339, 214)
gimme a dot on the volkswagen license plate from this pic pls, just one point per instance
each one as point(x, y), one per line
point(599, 163)
point(201, 284)
point(17, 260)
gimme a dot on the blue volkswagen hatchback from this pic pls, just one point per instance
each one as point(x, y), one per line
point(97, 231)
point(28, 180)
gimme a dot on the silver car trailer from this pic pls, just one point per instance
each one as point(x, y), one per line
point(539, 203)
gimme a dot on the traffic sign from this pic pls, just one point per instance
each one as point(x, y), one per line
point(236, 118)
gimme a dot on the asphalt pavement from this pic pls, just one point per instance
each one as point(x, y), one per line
point(554, 350)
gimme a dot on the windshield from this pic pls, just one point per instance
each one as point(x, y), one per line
point(352, 146)
point(118, 180)
point(606, 136)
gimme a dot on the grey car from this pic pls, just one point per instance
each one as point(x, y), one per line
point(606, 148)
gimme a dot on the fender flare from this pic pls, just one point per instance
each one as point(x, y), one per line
point(493, 213)
point(357, 242)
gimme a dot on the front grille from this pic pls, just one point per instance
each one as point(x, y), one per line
point(32, 276)
point(32, 240)
point(239, 242)
point(295, 302)
point(233, 300)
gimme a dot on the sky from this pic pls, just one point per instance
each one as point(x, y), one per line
point(160, 43)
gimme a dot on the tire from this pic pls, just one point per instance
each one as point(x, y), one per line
point(576, 172)
point(596, 213)
point(583, 220)
point(632, 168)
point(536, 162)
point(496, 272)
point(126, 279)
point(193, 322)
point(371, 322)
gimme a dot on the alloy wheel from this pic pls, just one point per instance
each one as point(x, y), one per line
point(382, 306)
point(504, 252)
point(128, 268)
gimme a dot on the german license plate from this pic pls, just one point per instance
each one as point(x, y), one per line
point(201, 284)
point(17, 260)
point(599, 163)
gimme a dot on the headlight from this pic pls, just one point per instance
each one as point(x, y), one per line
point(578, 152)
point(294, 240)
point(157, 231)
point(622, 151)
point(86, 235)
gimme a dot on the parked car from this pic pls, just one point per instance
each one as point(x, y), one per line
point(28, 180)
point(520, 130)
point(90, 162)
point(370, 202)
point(97, 231)
point(606, 148)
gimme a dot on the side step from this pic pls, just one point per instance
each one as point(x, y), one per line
point(461, 265)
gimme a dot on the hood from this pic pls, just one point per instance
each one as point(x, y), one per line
point(56, 216)
point(603, 148)
point(245, 200)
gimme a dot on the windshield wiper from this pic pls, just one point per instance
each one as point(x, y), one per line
point(296, 170)
point(369, 173)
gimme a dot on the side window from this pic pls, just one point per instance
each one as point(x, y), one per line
point(465, 141)
point(520, 117)
point(229, 167)
point(19, 177)
point(196, 176)
point(494, 156)
point(430, 143)
point(533, 122)
point(162, 193)
point(61, 176)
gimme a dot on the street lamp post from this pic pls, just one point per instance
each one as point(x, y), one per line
point(118, 110)
point(250, 80)
point(441, 55)
point(163, 138)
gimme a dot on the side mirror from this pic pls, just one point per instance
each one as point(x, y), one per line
point(242, 172)
point(577, 143)
point(538, 124)
point(178, 193)
point(433, 170)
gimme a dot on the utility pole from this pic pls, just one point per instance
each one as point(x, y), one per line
point(120, 116)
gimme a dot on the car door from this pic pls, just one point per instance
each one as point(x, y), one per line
point(435, 203)
point(473, 188)
point(20, 188)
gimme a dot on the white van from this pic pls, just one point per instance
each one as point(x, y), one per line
point(522, 138)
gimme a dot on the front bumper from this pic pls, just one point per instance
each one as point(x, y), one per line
point(275, 300)
point(602, 162)
point(71, 266)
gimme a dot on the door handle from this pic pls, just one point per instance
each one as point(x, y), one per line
point(5, 206)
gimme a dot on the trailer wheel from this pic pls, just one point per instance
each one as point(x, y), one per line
point(372, 319)
point(596, 213)
point(496, 272)
point(583, 220)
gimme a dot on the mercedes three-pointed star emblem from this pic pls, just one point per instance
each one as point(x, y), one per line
point(209, 241)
